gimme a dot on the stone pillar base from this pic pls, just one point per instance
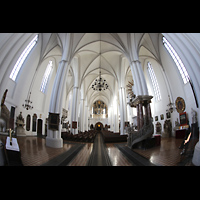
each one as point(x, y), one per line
point(196, 156)
point(20, 131)
point(54, 142)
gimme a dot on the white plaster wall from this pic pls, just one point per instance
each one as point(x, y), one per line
point(170, 83)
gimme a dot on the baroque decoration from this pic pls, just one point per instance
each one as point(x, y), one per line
point(99, 108)
point(131, 95)
point(180, 104)
point(130, 89)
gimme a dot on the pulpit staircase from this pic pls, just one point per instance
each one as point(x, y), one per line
point(137, 136)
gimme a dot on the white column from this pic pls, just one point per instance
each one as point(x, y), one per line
point(142, 78)
point(123, 111)
point(110, 117)
point(74, 114)
point(53, 138)
point(135, 74)
point(140, 85)
point(82, 116)
point(86, 118)
point(115, 115)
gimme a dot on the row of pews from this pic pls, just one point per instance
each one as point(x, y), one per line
point(87, 136)
point(109, 136)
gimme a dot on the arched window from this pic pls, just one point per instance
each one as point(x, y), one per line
point(22, 58)
point(177, 60)
point(154, 82)
point(46, 76)
point(28, 122)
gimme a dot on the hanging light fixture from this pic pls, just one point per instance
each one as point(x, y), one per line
point(100, 84)
point(170, 106)
point(28, 103)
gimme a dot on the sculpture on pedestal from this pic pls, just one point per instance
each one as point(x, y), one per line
point(20, 131)
point(194, 116)
point(167, 128)
point(158, 128)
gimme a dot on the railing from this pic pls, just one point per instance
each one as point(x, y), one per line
point(137, 136)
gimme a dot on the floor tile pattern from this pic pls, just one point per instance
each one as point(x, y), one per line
point(83, 156)
point(34, 152)
point(167, 154)
point(116, 156)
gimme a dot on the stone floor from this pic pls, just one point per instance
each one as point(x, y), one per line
point(34, 152)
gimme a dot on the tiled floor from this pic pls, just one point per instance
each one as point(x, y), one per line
point(83, 156)
point(116, 156)
point(34, 152)
point(167, 154)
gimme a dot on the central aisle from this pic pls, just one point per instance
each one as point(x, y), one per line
point(99, 156)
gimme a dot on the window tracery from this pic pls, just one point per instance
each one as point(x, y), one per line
point(183, 72)
point(22, 58)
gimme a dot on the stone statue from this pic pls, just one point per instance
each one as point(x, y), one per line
point(158, 128)
point(194, 116)
point(20, 117)
point(167, 128)
point(20, 125)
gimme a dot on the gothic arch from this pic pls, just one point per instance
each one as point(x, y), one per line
point(99, 126)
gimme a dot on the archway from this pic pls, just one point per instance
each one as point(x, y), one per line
point(98, 126)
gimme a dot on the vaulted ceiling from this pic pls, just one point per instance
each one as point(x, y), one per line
point(104, 50)
point(96, 51)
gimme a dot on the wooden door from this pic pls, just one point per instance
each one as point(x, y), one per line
point(39, 127)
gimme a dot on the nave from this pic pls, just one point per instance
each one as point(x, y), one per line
point(34, 152)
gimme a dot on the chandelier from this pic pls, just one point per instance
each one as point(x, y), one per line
point(170, 106)
point(28, 103)
point(100, 84)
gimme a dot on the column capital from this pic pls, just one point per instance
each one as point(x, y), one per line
point(135, 61)
point(63, 61)
point(121, 88)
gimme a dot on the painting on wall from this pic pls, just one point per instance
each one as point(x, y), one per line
point(168, 115)
point(74, 125)
point(54, 121)
point(161, 116)
point(156, 118)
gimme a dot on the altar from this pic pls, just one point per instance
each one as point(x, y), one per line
point(13, 152)
point(180, 133)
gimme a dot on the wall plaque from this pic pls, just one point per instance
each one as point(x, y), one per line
point(74, 125)
point(54, 119)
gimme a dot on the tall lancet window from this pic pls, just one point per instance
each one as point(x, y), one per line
point(46, 76)
point(154, 82)
point(177, 60)
point(22, 58)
